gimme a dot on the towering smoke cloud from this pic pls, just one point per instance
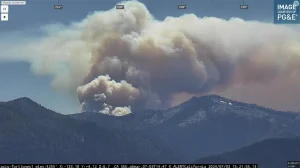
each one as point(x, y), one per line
point(122, 60)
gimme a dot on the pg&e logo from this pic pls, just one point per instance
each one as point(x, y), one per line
point(286, 12)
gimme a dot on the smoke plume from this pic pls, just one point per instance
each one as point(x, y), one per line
point(122, 60)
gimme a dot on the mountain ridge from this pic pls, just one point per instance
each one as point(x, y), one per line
point(269, 153)
point(207, 119)
point(200, 127)
point(30, 133)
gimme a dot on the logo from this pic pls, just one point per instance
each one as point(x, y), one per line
point(286, 12)
point(58, 7)
point(181, 6)
point(243, 6)
point(120, 7)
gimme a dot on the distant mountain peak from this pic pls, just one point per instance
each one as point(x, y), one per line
point(214, 96)
point(208, 100)
point(216, 106)
point(209, 97)
point(23, 100)
point(24, 103)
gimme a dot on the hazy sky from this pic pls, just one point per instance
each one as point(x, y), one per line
point(16, 77)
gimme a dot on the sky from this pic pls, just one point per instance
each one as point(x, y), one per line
point(17, 79)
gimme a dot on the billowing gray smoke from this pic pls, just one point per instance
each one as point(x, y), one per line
point(123, 60)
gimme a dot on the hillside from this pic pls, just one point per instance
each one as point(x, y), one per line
point(271, 153)
point(207, 125)
point(30, 133)
point(200, 127)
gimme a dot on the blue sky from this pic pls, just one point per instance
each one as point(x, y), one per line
point(18, 81)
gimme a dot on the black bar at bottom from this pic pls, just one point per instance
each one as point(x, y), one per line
point(128, 166)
